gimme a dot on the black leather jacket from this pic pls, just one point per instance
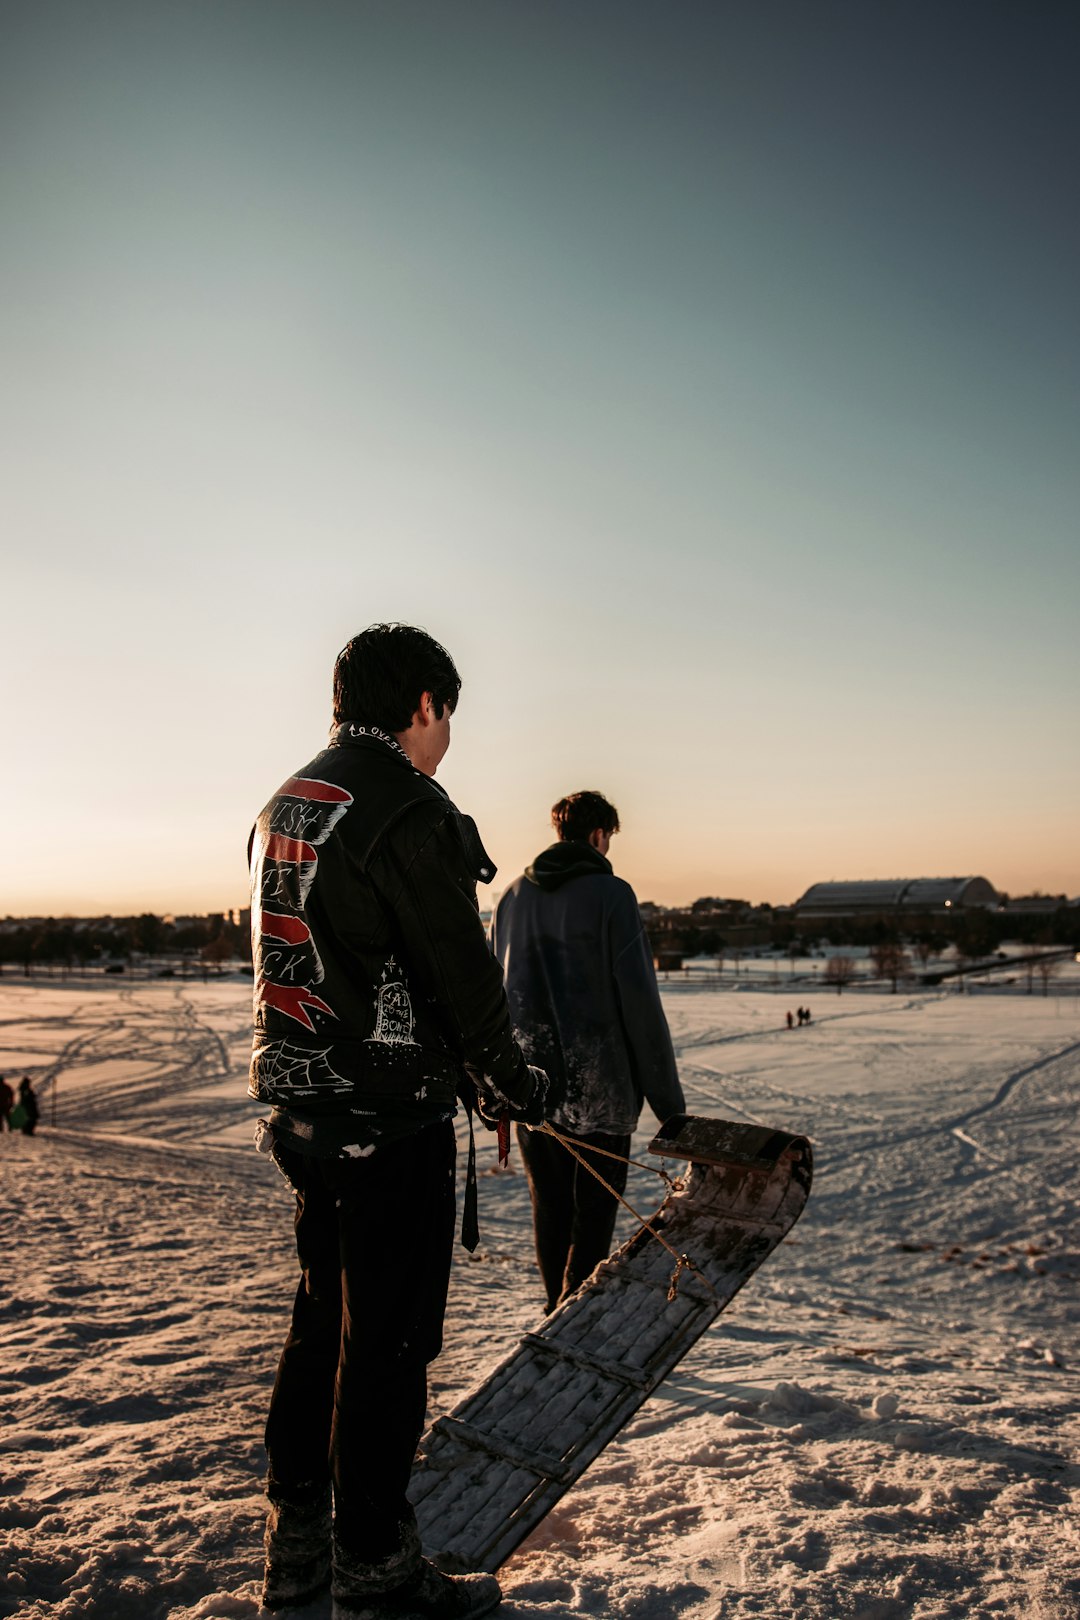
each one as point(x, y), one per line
point(375, 989)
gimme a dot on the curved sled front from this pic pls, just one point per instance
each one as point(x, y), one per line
point(491, 1470)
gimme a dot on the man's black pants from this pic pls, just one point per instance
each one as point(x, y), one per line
point(375, 1239)
point(573, 1215)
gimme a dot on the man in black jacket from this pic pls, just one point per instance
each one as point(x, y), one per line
point(585, 1007)
point(377, 1003)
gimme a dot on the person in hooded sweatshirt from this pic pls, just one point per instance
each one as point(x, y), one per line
point(585, 1007)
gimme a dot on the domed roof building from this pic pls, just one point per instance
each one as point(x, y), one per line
point(882, 896)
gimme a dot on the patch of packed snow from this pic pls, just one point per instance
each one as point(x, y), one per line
point(883, 1424)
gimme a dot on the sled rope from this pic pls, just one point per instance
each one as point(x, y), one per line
point(674, 1183)
point(683, 1262)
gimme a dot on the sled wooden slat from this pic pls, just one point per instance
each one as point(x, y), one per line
point(538, 1463)
point(597, 1364)
point(490, 1471)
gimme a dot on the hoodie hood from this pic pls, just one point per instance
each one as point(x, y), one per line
point(561, 863)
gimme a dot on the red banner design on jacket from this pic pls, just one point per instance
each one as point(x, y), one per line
point(276, 925)
point(293, 1000)
point(299, 818)
point(280, 848)
point(309, 787)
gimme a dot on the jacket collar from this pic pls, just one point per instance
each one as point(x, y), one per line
point(351, 734)
point(351, 731)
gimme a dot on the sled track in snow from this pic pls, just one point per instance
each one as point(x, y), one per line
point(951, 1123)
point(116, 1155)
point(722, 1036)
point(1067, 1206)
point(704, 1077)
point(1011, 1081)
point(714, 1098)
point(179, 1055)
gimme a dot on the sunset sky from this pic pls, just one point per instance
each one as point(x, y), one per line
point(706, 376)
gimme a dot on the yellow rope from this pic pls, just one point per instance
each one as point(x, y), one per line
point(682, 1261)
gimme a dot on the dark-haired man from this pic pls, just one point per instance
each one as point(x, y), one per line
point(377, 1002)
point(586, 1008)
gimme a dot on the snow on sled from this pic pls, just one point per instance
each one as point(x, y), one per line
point(490, 1471)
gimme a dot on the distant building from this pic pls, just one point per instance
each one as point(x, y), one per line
point(887, 896)
point(668, 961)
point(1039, 905)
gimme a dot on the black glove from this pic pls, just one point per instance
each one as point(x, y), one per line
point(491, 1104)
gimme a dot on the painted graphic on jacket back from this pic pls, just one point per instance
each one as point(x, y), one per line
point(284, 860)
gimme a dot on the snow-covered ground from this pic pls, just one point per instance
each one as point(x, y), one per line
point(884, 1423)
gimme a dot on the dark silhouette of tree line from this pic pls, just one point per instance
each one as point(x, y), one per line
point(705, 930)
point(70, 944)
point(897, 946)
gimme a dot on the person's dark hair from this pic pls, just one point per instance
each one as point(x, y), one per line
point(579, 814)
point(382, 674)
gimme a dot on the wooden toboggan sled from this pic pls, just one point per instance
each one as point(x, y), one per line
point(491, 1470)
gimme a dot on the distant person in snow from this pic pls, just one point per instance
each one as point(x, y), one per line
point(7, 1103)
point(586, 1008)
point(377, 1003)
point(28, 1104)
point(791, 1021)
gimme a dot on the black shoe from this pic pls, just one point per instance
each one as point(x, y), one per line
point(429, 1595)
point(297, 1568)
point(406, 1586)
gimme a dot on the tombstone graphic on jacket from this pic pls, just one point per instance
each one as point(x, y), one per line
point(393, 1012)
